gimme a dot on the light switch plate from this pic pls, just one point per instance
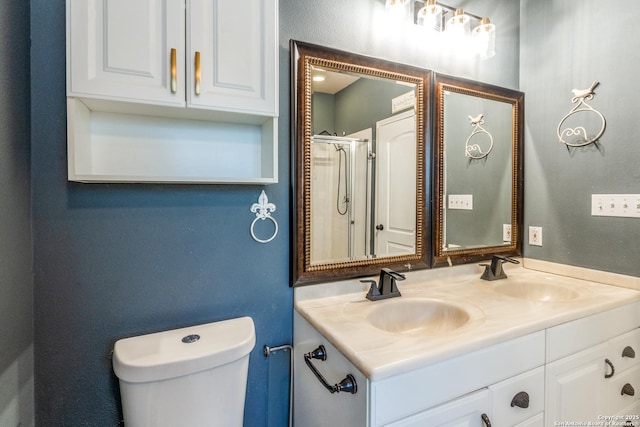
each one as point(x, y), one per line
point(619, 205)
point(461, 201)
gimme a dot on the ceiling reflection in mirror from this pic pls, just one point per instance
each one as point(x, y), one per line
point(360, 165)
point(478, 175)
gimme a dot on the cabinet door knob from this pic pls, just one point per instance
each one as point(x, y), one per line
point(613, 370)
point(628, 352)
point(485, 420)
point(379, 227)
point(521, 400)
point(628, 390)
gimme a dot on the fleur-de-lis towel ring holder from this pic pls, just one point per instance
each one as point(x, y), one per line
point(263, 210)
point(475, 151)
point(580, 98)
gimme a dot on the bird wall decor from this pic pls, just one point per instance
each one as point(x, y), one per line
point(582, 112)
point(474, 149)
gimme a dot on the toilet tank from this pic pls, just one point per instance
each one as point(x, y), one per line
point(188, 377)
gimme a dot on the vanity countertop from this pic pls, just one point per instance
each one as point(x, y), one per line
point(340, 315)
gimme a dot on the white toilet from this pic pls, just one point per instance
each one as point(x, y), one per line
point(191, 377)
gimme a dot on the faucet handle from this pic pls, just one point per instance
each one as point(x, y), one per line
point(504, 258)
point(394, 274)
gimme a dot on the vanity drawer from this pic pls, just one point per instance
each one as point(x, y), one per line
point(625, 350)
point(618, 400)
point(410, 393)
point(506, 396)
point(572, 337)
point(536, 421)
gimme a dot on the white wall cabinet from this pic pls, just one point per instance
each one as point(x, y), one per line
point(172, 90)
point(238, 65)
point(121, 50)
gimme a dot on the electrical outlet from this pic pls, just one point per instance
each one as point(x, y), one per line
point(535, 236)
point(506, 232)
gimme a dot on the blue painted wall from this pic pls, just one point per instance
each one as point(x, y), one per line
point(119, 260)
point(15, 201)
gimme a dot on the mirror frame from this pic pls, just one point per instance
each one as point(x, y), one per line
point(445, 84)
point(303, 56)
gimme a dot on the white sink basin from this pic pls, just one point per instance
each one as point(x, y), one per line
point(536, 291)
point(416, 316)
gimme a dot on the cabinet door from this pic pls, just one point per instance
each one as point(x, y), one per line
point(624, 390)
point(122, 50)
point(232, 55)
point(466, 411)
point(576, 388)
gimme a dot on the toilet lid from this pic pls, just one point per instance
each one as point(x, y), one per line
point(183, 351)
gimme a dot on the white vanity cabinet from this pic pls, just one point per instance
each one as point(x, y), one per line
point(601, 372)
point(561, 370)
point(462, 389)
point(172, 90)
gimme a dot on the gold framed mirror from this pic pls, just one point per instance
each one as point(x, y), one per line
point(478, 179)
point(359, 128)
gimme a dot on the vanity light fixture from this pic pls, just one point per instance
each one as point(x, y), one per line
point(455, 24)
point(430, 16)
point(397, 8)
point(484, 38)
point(459, 25)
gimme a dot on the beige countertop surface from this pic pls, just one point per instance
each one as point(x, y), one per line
point(343, 315)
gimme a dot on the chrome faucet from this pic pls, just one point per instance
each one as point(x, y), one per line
point(494, 270)
point(386, 286)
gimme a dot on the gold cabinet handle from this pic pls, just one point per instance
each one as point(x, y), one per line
point(174, 72)
point(198, 75)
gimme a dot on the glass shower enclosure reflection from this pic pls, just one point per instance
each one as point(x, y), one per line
point(341, 191)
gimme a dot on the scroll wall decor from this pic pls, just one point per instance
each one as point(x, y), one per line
point(574, 133)
point(474, 145)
